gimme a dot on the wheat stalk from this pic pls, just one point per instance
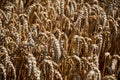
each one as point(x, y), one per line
point(4, 71)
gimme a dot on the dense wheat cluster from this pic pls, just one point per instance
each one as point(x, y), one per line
point(59, 39)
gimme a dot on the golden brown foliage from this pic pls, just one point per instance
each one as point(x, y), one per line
point(59, 40)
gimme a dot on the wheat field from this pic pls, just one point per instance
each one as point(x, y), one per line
point(59, 39)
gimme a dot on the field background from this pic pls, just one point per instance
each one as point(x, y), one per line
point(59, 39)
